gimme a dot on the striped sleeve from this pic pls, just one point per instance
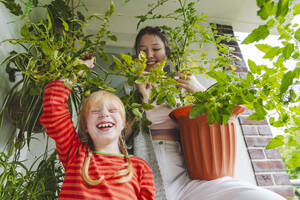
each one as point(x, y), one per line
point(57, 121)
point(147, 191)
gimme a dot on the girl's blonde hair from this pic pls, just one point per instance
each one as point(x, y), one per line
point(96, 98)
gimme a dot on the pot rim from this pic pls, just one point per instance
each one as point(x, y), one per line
point(185, 110)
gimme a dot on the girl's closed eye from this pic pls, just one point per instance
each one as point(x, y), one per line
point(113, 110)
point(95, 112)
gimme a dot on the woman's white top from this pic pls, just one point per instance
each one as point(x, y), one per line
point(159, 116)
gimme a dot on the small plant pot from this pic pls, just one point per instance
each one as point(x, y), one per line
point(209, 150)
point(17, 109)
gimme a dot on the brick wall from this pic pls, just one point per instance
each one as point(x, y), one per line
point(268, 167)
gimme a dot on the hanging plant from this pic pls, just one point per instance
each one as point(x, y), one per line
point(52, 49)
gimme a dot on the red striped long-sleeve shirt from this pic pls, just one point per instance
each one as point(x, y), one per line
point(72, 153)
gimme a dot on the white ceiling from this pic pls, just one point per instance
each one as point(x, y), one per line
point(241, 14)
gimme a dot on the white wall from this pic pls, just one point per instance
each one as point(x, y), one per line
point(243, 167)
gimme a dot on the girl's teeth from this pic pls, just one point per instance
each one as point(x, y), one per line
point(104, 125)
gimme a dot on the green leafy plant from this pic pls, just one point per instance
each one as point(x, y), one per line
point(17, 181)
point(52, 48)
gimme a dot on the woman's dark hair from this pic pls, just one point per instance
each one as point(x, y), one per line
point(149, 30)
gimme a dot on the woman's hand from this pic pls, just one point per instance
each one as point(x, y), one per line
point(189, 82)
point(144, 89)
point(90, 63)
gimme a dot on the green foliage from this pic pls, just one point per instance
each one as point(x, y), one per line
point(257, 34)
point(290, 152)
point(278, 86)
point(52, 47)
point(20, 182)
point(14, 8)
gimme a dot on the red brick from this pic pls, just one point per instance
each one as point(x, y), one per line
point(249, 130)
point(256, 153)
point(273, 153)
point(264, 130)
point(243, 121)
point(264, 180)
point(281, 179)
point(257, 141)
point(268, 166)
point(286, 192)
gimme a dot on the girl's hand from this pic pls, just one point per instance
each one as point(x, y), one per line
point(144, 89)
point(190, 83)
point(89, 63)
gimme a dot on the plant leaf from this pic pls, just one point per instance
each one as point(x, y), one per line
point(137, 113)
point(297, 34)
point(282, 8)
point(275, 142)
point(257, 34)
point(253, 67)
point(296, 9)
point(288, 50)
point(286, 81)
point(263, 47)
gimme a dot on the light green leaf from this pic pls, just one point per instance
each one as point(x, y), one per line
point(117, 62)
point(286, 81)
point(275, 142)
point(49, 21)
point(65, 24)
point(296, 9)
point(127, 58)
point(282, 8)
point(171, 100)
point(29, 7)
point(266, 10)
point(260, 112)
point(25, 32)
point(148, 106)
point(140, 80)
point(274, 51)
point(135, 105)
point(295, 161)
point(288, 50)
point(137, 113)
point(297, 34)
point(263, 47)
point(197, 110)
point(253, 67)
point(257, 34)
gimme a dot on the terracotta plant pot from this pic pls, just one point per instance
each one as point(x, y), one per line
point(209, 150)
